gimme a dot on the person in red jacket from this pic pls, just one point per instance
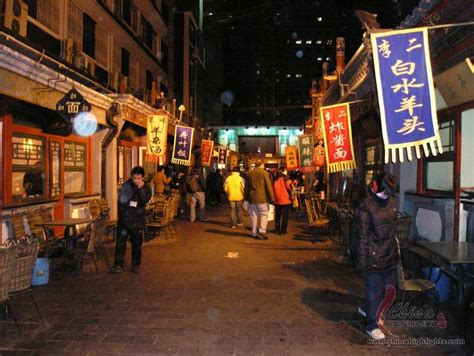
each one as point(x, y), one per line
point(282, 190)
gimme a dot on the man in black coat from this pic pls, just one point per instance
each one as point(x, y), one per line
point(132, 199)
point(375, 248)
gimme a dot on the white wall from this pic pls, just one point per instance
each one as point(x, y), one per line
point(467, 149)
point(407, 180)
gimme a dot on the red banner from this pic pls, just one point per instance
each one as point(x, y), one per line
point(291, 158)
point(338, 137)
point(207, 146)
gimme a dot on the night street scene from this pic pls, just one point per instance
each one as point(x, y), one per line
point(237, 177)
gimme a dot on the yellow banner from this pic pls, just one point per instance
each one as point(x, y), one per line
point(157, 131)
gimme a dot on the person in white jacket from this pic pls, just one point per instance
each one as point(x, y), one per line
point(234, 186)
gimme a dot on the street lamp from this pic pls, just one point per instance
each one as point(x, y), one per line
point(181, 108)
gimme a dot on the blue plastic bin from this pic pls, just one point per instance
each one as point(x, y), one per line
point(443, 286)
point(40, 272)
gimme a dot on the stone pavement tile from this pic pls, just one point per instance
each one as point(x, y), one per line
point(73, 336)
point(95, 321)
point(127, 339)
point(83, 347)
point(16, 352)
point(157, 349)
point(38, 345)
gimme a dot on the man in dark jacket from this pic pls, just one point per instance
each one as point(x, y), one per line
point(196, 186)
point(260, 193)
point(133, 197)
point(375, 248)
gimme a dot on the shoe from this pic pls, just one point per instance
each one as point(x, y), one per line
point(263, 236)
point(116, 269)
point(233, 226)
point(240, 224)
point(362, 312)
point(136, 269)
point(376, 334)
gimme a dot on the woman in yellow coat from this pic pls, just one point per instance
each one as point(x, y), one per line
point(160, 181)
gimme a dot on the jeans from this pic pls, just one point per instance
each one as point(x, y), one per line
point(256, 211)
point(236, 212)
point(201, 198)
point(375, 292)
point(136, 240)
point(282, 213)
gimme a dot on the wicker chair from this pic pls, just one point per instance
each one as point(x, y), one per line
point(8, 258)
point(111, 224)
point(158, 215)
point(22, 272)
point(315, 219)
point(18, 225)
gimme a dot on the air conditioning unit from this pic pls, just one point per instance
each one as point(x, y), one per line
point(16, 16)
point(72, 49)
point(87, 64)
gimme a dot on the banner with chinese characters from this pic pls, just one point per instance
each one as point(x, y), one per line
point(291, 158)
point(319, 158)
point(338, 137)
point(207, 146)
point(305, 150)
point(222, 155)
point(183, 144)
point(406, 93)
point(156, 135)
point(233, 159)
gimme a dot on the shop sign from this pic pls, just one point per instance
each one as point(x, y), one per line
point(157, 132)
point(338, 137)
point(406, 93)
point(72, 104)
point(207, 146)
point(291, 158)
point(305, 149)
point(183, 143)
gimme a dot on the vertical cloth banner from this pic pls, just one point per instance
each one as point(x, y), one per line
point(291, 158)
point(207, 147)
point(305, 149)
point(406, 93)
point(222, 155)
point(156, 135)
point(338, 137)
point(183, 144)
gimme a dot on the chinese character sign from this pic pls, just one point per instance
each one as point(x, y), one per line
point(207, 146)
point(71, 104)
point(291, 158)
point(305, 148)
point(336, 123)
point(405, 92)
point(222, 155)
point(183, 144)
point(156, 135)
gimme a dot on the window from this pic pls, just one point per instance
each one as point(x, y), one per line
point(125, 62)
point(88, 35)
point(55, 169)
point(124, 163)
point(127, 11)
point(74, 167)
point(147, 34)
point(438, 170)
point(28, 166)
point(373, 160)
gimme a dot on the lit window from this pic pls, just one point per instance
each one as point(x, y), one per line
point(318, 42)
point(329, 42)
point(75, 167)
point(298, 42)
point(288, 75)
point(309, 42)
point(328, 58)
point(319, 19)
point(320, 58)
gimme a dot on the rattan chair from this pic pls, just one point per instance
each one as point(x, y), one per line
point(22, 271)
point(18, 225)
point(8, 258)
point(110, 224)
point(157, 220)
point(316, 221)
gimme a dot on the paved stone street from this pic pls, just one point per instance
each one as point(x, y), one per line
point(211, 290)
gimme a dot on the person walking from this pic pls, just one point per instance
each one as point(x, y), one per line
point(375, 248)
point(260, 194)
point(161, 181)
point(133, 196)
point(196, 187)
point(234, 186)
point(282, 189)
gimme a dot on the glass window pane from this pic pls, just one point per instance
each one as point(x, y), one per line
point(55, 169)
point(74, 182)
point(439, 176)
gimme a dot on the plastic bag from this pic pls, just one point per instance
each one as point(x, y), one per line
point(271, 212)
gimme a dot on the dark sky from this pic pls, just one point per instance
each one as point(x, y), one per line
point(272, 50)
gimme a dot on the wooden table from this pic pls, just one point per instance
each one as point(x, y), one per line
point(70, 234)
point(458, 254)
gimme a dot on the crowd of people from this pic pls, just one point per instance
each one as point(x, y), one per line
point(372, 241)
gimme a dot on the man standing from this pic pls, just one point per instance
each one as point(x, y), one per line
point(260, 194)
point(133, 197)
point(234, 186)
point(195, 186)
